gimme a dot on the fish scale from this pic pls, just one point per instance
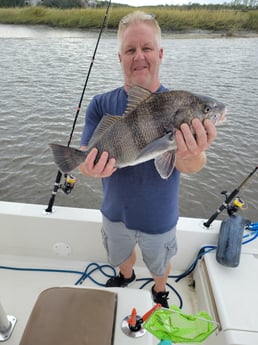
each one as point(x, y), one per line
point(138, 132)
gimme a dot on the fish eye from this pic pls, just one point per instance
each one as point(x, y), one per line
point(206, 109)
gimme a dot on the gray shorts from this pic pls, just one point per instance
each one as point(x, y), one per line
point(157, 249)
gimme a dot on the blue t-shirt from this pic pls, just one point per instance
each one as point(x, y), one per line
point(135, 195)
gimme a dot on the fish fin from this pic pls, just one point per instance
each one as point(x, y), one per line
point(67, 158)
point(136, 95)
point(165, 163)
point(104, 124)
point(163, 150)
point(158, 146)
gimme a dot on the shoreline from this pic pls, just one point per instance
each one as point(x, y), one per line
point(166, 34)
point(195, 34)
point(175, 22)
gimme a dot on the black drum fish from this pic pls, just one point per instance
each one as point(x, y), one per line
point(145, 131)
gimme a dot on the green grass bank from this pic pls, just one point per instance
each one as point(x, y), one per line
point(171, 19)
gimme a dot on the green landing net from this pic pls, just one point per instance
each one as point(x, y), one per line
point(174, 325)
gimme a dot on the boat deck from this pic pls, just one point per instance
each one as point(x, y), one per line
point(70, 240)
point(20, 288)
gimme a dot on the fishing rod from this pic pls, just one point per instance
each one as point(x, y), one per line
point(70, 180)
point(229, 198)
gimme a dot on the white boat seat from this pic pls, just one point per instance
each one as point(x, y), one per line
point(71, 316)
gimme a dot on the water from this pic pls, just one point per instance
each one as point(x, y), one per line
point(43, 71)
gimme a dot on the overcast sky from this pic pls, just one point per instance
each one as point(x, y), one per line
point(167, 2)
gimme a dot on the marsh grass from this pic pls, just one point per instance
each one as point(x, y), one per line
point(170, 19)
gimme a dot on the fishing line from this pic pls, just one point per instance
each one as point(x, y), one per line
point(49, 209)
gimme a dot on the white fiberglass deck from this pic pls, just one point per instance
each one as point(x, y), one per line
point(70, 239)
point(19, 291)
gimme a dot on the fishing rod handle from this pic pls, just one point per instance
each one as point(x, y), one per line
point(222, 207)
point(51, 202)
point(231, 196)
point(211, 219)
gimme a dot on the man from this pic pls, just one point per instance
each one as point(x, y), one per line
point(138, 206)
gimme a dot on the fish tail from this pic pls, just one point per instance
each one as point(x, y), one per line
point(67, 158)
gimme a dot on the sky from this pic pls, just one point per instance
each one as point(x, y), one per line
point(167, 2)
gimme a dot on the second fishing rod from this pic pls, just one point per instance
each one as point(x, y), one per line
point(70, 180)
point(229, 198)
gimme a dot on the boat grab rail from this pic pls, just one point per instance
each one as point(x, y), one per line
point(7, 324)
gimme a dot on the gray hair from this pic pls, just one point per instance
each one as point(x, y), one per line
point(138, 17)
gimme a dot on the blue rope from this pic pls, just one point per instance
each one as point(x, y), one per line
point(87, 274)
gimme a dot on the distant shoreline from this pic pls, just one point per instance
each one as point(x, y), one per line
point(196, 23)
point(197, 33)
point(209, 34)
point(166, 34)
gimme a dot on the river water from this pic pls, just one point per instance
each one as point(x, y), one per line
point(42, 76)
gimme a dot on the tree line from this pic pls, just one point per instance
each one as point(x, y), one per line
point(237, 4)
point(47, 3)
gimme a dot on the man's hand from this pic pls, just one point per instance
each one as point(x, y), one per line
point(190, 155)
point(192, 145)
point(105, 167)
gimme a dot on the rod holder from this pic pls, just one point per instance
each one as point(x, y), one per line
point(126, 329)
point(7, 323)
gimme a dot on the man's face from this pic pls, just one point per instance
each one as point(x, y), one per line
point(140, 56)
